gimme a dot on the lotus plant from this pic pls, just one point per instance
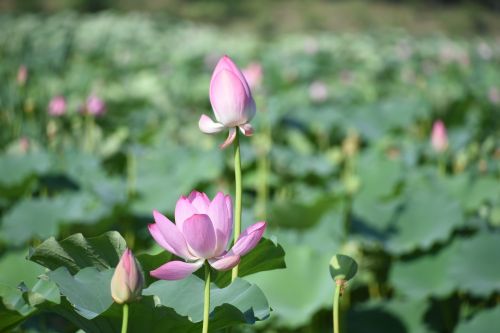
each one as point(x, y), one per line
point(253, 75)
point(22, 75)
point(57, 106)
point(231, 100)
point(233, 107)
point(127, 283)
point(439, 138)
point(201, 235)
point(439, 142)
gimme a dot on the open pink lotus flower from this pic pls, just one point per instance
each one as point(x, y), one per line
point(231, 101)
point(439, 138)
point(202, 231)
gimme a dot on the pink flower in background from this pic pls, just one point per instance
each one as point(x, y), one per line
point(253, 75)
point(24, 144)
point(202, 231)
point(318, 91)
point(311, 46)
point(127, 281)
point(439, 138)
point(95, 106)
point(22, 75)
point(494, 95)
point(484, 51)
point(57, 106)
point(231, 100)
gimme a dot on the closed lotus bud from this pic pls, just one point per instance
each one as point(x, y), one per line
point(127, 281)
point(230, 94)
point(22, 75)
point(95, 106)
point(439, 138)
point(57, 106)
point(231, 100)
point(253, 75)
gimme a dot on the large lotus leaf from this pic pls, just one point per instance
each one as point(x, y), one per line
point(31, 218)
point(473, 267)
point(299, 214)
point(159, 171)
point(457, 266)
point(427, 217)
point(486, 321)
point(264, 257)
point(286, 161)
point(296, 293)
point(77, 252)
point(88, 291)
point(9, 318)
point(16, 269)
point(427, 275)
point(378, 174)
point(86, 170)
point(392, 316)
point(186, 298)
point(15, 169)
point(41, 217)
point(474, 192)
point(372, 218)
point(376, 120)
point(148, 317)
point(18, 304)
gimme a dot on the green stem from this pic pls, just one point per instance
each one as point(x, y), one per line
point(89, 132)
point(125, 318)
point(442, 165)
point(237, 208)
point(336, 296)
point(206, 303)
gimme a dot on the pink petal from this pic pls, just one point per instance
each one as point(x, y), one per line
point(230, 138)
point(176, 270)
point(183, 210)
point(226, 63)
point(221, 216)
point(209, 126)
point(224, 263)
point(229, 99)
point(200, 235)
point(246, 129)
point(168, 236)
point(249, 238)
point(200, 201)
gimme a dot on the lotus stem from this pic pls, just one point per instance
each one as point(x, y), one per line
point(336, 297)
point(237, 207)
point(206, 303)
point(125, 318)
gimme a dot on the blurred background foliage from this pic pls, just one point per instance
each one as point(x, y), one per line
point(341, 160)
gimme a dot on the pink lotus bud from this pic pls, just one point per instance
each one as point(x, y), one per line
point(24, 144)
point(311, 46)
point(57, 106)
point(231, 100)
point(318, 92)
point(127, 281)
point(253, 75)
point(439, 138)
point(494, 95)
point(22, 75)
point(95, 106)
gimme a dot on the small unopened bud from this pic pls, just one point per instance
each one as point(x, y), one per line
point(127, 281)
